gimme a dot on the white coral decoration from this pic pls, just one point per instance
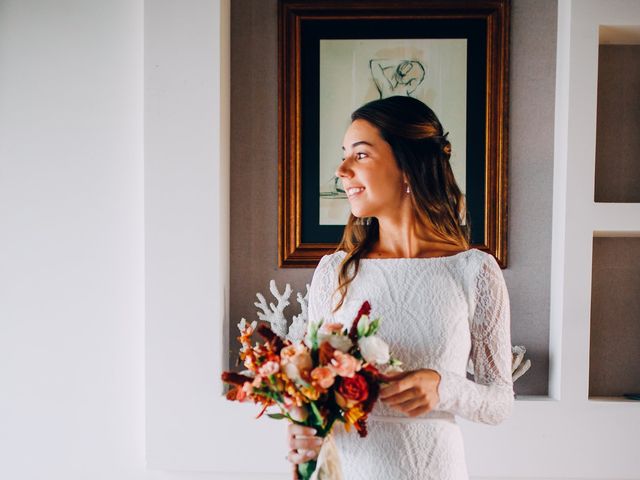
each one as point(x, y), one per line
point(518, 368)
point(274, 314)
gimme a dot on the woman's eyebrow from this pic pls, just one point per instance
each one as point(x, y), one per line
point(361, 142)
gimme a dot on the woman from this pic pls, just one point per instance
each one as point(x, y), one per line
point(405, 249)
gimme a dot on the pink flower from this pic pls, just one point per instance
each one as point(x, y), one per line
point(323, 376)
point(344, 364)
point(297, 355)
point(257, 381)
point(269, 368)
point(332, 327)
point(247, 388)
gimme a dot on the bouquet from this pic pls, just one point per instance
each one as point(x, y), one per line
point(333, 375)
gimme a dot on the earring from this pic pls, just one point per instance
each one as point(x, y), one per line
point(408, 191)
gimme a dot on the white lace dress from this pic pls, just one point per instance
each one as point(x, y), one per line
point(436, 313)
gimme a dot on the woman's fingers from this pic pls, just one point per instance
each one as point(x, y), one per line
point(418, 411)
point(295, 429)
point(391, 377)
point(303, 443)
point(412, 404)
point(301, 456)
point(308, 443)
point(400, 397)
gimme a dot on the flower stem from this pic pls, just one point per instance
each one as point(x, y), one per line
point(305, 470)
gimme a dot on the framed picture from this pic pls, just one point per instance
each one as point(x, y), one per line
point(335, 56)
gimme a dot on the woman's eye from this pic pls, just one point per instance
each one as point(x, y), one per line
point(361, 153)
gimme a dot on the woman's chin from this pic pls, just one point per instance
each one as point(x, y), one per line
point(360, 216)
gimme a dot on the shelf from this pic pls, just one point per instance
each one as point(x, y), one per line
point(612, 400)
point(617, 170)
point(614, 354)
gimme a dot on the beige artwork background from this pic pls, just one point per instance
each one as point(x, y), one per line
point(347, 82)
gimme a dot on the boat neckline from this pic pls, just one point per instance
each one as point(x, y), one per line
point(415, 258)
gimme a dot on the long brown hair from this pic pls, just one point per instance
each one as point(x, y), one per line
point(422, 153)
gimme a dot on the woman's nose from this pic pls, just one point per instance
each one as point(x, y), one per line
point(342, 170)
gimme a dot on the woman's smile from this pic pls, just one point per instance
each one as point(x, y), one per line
point(354, 191)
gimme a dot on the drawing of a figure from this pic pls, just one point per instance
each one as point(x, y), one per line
point(396, 77)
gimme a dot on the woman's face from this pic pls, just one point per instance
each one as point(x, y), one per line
point(368, 162)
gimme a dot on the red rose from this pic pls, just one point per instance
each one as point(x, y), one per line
point(354, 388)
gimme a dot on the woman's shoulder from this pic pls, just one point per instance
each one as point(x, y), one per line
point(329, 263)
point(483, 258)
point(332, 258)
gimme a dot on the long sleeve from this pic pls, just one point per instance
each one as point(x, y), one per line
point(489, 399)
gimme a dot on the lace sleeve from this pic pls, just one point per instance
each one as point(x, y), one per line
point(489, 399)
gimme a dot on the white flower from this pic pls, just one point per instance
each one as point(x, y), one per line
point(374, 350)
point(291, 371)
point(340, 342)
point(336, 340)
point(269, 368)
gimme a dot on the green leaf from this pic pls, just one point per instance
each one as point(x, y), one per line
point(316, 413)
point(313, 333)
point(277, 416)
point(373, 328)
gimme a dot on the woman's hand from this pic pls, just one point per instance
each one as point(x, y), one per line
point(413, 393)
point(304, 445)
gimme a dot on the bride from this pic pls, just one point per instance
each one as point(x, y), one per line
point(406, 250)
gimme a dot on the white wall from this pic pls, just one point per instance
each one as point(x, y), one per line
point(71, 241)
point(72, 221)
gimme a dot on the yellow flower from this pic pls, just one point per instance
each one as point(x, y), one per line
point(310, 392)
point(353, 415)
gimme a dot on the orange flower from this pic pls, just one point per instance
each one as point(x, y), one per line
point(323, 377)
point(325, 353)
